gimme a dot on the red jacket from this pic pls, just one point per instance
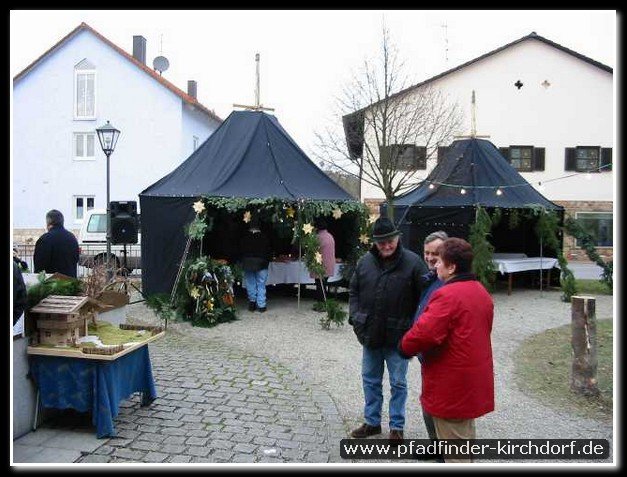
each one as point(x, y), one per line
point(454, 334)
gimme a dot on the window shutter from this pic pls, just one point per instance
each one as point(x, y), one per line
point(442, 151)
point(505, 152)
point(421, 157)
point(606, 159)
point(571, 161)
point(384, 156)
point(538, 159)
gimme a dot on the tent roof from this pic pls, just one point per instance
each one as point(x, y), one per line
point(479, 166)
point(250, 155)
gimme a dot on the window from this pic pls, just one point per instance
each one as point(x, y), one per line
point(521, 158)
point(84, 146)
point(403, 157)
point(588, 159)
point(81, 205)
point(84, 90)
point(97, 223)
point(599, 225)
point(524, 158)
point(195, 142)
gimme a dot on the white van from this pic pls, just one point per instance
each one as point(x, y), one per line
point(92, 241)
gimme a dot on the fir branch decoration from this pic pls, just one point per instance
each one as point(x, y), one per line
point(334, 314)
point(160, 304)
point(482, 264)
point(209, 286)
point(52, 286)
point(586, 242)
point(547, 229)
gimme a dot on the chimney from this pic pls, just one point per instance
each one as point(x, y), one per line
point(139, 48)
point(191, 88)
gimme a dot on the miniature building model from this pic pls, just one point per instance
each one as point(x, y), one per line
point(61, 320)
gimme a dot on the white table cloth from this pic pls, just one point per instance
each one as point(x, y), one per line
point(519, 262)
point(512, 265)
point(296, 272)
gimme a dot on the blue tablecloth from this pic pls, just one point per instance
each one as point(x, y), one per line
point(94, 385)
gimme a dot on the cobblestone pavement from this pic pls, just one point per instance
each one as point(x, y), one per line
point(219, 405)
point(276, 388)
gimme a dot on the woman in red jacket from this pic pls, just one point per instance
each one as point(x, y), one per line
point(453, 334)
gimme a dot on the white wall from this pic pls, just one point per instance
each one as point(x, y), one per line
point(149, 116)
point(194, 124)
point(577, 109)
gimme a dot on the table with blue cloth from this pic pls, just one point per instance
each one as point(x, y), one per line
point(94, 385)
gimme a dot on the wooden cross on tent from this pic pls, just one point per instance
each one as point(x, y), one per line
point(257, 106)
point(473, 124)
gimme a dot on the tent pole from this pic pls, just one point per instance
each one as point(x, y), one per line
point(299, 253)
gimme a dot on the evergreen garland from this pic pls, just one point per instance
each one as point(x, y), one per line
point(482, 264)
point(586, 242)
point(207, 306)
point(547, 229)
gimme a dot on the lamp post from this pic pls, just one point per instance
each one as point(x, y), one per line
point(108, 137)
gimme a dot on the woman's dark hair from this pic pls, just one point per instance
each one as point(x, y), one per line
point(456, 251)
point(320, 223)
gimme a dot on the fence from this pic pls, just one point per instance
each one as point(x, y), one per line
point(133, 255)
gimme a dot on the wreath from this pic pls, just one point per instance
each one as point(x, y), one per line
point(209, 284)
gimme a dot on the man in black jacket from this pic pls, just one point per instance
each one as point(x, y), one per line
point(255, 256)
point(384, 293)
point(57, 249)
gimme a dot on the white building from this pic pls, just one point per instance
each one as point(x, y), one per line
point(60, 99)
point(551, 112)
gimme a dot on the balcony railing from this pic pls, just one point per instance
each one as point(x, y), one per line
point(88, 254)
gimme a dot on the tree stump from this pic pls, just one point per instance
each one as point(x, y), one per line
point(584, 342)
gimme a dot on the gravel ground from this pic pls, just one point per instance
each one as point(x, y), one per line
point(331, 360)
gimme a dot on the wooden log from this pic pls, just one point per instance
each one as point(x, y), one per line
point(584, 343)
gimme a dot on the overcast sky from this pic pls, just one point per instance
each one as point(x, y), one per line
point(307, 56)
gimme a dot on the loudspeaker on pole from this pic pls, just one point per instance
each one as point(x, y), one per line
point(124, 222)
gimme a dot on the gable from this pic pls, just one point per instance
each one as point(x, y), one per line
point(83, 27)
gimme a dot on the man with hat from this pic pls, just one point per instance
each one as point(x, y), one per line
point(384, 293)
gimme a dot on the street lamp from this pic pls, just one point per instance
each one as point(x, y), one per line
point(108, 137)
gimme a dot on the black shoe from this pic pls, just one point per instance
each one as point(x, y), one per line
point(261, 309)
point(366, 430)
point(395, 437)
point(252, 306)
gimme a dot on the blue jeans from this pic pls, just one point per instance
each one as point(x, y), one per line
point(372, 377)
point(256, 286)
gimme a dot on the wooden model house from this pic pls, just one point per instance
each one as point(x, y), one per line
point(61, 320)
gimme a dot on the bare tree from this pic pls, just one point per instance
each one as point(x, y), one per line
point(387, 129)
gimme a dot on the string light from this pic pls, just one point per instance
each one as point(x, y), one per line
point(541, 184)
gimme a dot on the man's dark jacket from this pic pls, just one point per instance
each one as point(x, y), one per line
point(383, 300)
point(255, 251)
point(56, 251)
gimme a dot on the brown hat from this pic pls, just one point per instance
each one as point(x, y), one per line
point(384, 229)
